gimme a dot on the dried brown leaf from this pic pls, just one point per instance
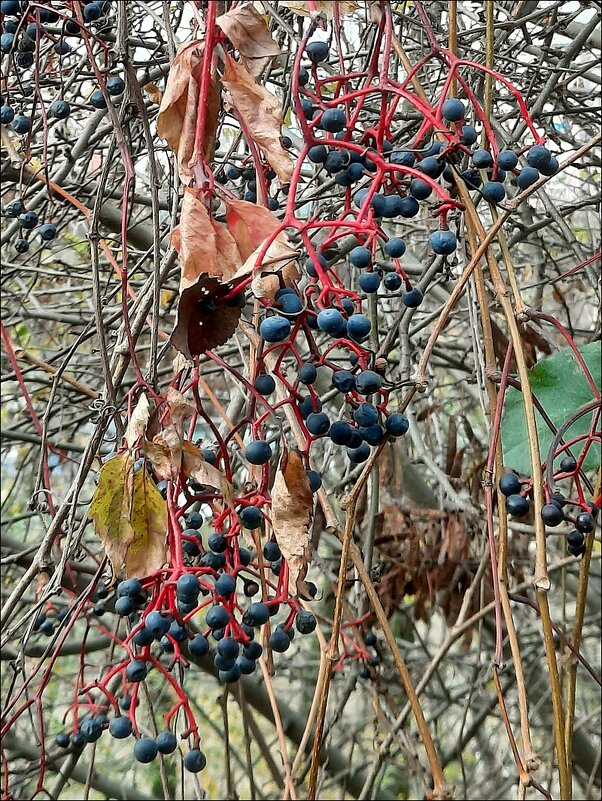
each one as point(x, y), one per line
point(205, 246)
point(155, 95)
point(292, 506)
point(195, 466)
point(324, 7)
point(250, 225)
point(138, 421)
point(248, 32)
point(200, 328)
point(178, 111)
point(261, 114)
point(280, 258)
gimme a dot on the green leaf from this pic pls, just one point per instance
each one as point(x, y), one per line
point(562, 389)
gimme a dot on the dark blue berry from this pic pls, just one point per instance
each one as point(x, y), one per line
point(258, 452)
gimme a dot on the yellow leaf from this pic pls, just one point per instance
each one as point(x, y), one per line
point(111, 507)
point(130, 517)
point(147, 551)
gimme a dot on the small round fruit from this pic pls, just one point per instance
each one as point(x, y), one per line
point(551, 515)
point(305, 622)
point(551, 168)
point(468, 135)
point(265, 384)
point(251, 517)
point(396, 424)
point(92, 12)
point(420, 189)
point(15, 207)
point(331, 321)
point(225, 585)
point(585, 523)
point(517, 506)
point(568, 464)
point(526, 177)
point(275, 329)
point(62, 739)
point(333, 120)
point(318, 424)
point(538, 157)
point(392, 282)
point(21, 246)
point(315, 480)
point(271, 551)
point(279, 641)
point(97, 99)
point(317, 51)
point(360, 454)
point(47, 232)
point(509, 484)
point(368, 382)
point(369, 282)
point(413, 298)
point(453, 110)
point(198, 646)
point(395, 247)
point(21, 124)
point(195, 761)
point(29, 219)
point(257, 614)
point(443, 243)
point(317, 154)
point(145, 750)
point(120, 727)
point(60, 109)
point(366, 414)
point(358, 327)
point(308, 374)
point(115, 85)
point(343, 381)
point(360, 257)
point(493, 191)
point(217, 542)
point(258, 452)
point(124, 606)
point(482, 159)
point(217, 617)
point(507, 159)
point(341, 432)
point(167, 742)
point(136, 671)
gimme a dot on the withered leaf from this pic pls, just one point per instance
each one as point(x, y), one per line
point(195, 466)
point(246, 29)
point(130, 517)
point(292, 506)
point(260, 111)
point(177, 118)
point(204, 245)
point(138, 421)
point(280, 258)
point(324, 7)
point(250, 225)
point(203, 321)
point(165, 449)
